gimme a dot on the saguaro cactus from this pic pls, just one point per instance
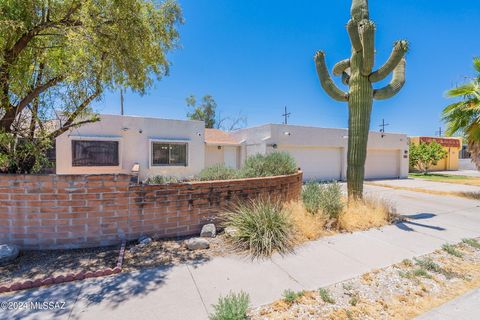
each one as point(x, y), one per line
point(357, 73)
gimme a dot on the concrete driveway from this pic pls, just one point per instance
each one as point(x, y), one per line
point(468, 173)
point(188, 291)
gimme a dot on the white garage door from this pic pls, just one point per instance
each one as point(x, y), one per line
point(382, 164)
point(317, 163)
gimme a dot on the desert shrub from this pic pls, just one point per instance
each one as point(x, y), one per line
point(263, 227)
point(325, 197)
point(472, 242)
point(311, 197)
point(272, 164)
point(363, 214)
point(231, 307)
point(161, 180)
point(217, 172)
point(331, 201)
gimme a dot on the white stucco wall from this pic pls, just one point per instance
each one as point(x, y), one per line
point(135, 135)
point(322, 152)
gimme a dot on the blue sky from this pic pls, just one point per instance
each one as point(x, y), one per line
point(256, 56)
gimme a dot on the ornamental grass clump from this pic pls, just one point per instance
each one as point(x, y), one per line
point(272, 164)
point(263, 227)
point(217, 172)
point(231, 307)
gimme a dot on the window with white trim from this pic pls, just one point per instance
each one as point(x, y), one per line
point(95, 153)
point(169, 153)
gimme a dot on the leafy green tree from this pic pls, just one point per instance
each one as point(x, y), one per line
point(206, 111)
point(58, 56)
point(463, 117)
point(425, 155)
point(203, 111)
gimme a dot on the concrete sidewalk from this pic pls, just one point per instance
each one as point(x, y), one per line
point(428, 185)
point(468, 173)
point(465, 307)
point(188, 291)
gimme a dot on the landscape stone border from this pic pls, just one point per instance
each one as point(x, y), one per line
point(81, 275)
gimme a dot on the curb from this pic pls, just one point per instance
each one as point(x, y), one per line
point(70, 277)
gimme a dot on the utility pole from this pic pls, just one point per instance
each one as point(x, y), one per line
point(383, 125)
point(121, 101)
point(286, 115)
point(439, 132)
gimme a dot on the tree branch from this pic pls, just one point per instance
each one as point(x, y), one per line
point(326, 81)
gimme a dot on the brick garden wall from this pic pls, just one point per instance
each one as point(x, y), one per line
point(74, 211)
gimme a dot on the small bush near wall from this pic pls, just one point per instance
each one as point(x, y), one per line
point(273, 164)
point(259, 165)
point(161, 180)
point(218, 172)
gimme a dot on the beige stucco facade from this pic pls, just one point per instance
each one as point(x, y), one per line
point(321, 153)
point(135, 136)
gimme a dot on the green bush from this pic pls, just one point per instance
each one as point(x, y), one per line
point(311, 197)
point(217, 172)
point(161, 180)
point(264, 226)
point(272, 164)
point(331, 200)
point(23, 155)
point(325, 197)
point(325, 295)
point(231, 307)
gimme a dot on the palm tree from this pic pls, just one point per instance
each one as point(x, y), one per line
point(464, 116)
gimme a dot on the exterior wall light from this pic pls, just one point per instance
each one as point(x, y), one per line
point(219, 147)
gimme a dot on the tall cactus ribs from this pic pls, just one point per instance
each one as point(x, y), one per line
point(357, 73)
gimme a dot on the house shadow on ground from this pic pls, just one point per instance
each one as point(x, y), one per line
point(418, 220)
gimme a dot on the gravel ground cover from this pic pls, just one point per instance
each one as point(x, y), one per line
point(31, 265)
point(400, 291)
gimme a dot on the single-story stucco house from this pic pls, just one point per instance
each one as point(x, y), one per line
point(182, 148)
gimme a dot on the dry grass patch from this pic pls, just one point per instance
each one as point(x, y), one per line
point(307, 226)
point(365, 214)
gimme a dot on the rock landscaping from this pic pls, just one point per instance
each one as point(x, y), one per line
point(400, 291)
point(8, 253)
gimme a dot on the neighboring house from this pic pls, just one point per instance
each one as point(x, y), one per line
point(118, 144)
point(465, 162)
point(452, 145)
point(321, 153)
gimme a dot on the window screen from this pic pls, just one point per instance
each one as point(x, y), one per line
point(87, 153)
point(169, 154)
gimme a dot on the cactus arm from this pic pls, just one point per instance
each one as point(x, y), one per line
point(398, 52)
point(367, 36)
point(359, 10)
point(352, 28)
point(345, 78)
point(395, 85)
point(326, 81)
point(340, 67)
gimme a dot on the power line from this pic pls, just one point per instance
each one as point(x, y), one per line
point(286, 115)
point(383, 125)
point(439, 132)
